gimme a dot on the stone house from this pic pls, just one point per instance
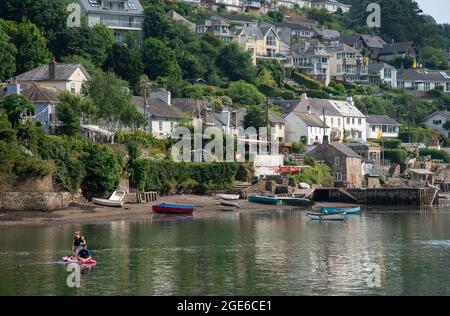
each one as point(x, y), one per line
point(345, 163)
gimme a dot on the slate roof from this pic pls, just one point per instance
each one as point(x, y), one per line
point(346, 109)
point(343, 48)
point(41, 73)
point(373, 41)
point(350, 40)
point(375, 68)
point(381, 120)
point(159, 109)
point(444, 113)
point(293, 26)
point(317, 106)
point(89, 6)
point(192, 107)
point(423, 75)
point(344, 149)
point(236, 17)
point(328, 34)
point(396, 48)
point(311, 119)
point(273, 118)
point(286, 106)
point(36, 93)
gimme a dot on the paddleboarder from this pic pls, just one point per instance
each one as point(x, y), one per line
point(84, 254)
point(78, 243)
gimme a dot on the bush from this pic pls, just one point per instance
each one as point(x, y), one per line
point(319, 174)
point(306, 81)
point(435, 154)
point(391, 143)
point(151, 175)
point(396, 155)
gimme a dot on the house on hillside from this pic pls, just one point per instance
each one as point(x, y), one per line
point(305, 127)
point(229, 5)
point(345, 163)
point(162, 117)
point(330, 5)
point(372, 43)
point(289, 32)
point(348, 64)
point(62, 76)
point(45, 100)
point(380, 73)
point(398, 50)
point(327, 36)
point(437, 120)
point(423, 80)
point(119, 16)
point(382, 125)
point(237, 19)
point(290, 4)
point(313, 60)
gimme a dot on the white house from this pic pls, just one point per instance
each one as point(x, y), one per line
point(380, 72)
point(437, 120)
point(120, 16)
point(423, 80)
point(382, 125)
point(162, 117)
point(305, 126)
point(65, 77)
point(331, 6)
point(290, 4)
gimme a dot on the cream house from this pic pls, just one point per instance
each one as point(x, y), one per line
point(64, 77)
point(348, 64)
point(331, 6)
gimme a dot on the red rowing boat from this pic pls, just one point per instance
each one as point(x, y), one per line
point(173, 209)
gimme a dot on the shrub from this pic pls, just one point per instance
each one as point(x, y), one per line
point(306, 81)
point(391, 143)
point(319, 174)
point(396, 155)
point(435, 154)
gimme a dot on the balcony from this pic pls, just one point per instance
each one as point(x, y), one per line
point(253, 4)
point(133, 25)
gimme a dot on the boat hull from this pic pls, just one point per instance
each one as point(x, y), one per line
point(326, 217)
point(229, 197)
point(173, 209)
point(108, 203)
point(297, 202)
point(262, 200)
point(230, 204)
point(348, 211)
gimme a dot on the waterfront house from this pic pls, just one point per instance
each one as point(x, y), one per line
point(369, 152)
point(331, 6)
point(343, 118)
point(423, 80)
point(120, 16)
point(398, 50)
point(44, 99)
point(312, 59)
point(289, 32)
point(382, 73)
point(345, 163)
point(347, 64)
point(162, 117)
point(382, 125)
point(62, 76)
point(305, 127)
point(437, 120)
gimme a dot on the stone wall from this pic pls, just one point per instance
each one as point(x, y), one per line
point(34, 201)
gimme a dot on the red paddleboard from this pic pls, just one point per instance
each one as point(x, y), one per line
point(70, 260)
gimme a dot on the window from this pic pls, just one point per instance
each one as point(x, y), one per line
point(270, 41)
point(353, 120)
point(332, 121)
point(348, 120)
point(359, 121)
point(160, 126)
point(387, 73)
point(338, 177)
point(337, 161)
point(339, 122)
point(73, 87)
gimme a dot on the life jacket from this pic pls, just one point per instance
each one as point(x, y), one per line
point(77, 241)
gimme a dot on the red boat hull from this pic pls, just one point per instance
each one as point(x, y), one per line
point(171, 210)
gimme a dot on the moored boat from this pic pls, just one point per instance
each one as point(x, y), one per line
point(335, 210)
point(263, 199)
point(227, 209)
point(228, 196)
point(109, 203)
point(230, 204)
point(165, 208)
point(296, 201)
point(326, 217)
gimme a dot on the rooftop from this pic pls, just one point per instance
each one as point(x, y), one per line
point(381, 120)
point(158, 108)
point(311, 119)
point(36, 93)
point(423, 75)
point(63, 72)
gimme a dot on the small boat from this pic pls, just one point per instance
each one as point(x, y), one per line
point(115, 200)
point(296, 201)
point(109, 203)
point(165, 208)
point(230, 204)
point(228, 196)
point(87, 262)
point(326, 217)
point(334, 210)
point(263, 199)
point(227, 209)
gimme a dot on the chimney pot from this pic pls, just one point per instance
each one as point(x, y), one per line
point(52, 69)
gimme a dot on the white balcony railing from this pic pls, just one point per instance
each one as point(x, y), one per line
point(124, 24)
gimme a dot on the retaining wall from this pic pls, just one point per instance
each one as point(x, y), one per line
point(34, 201)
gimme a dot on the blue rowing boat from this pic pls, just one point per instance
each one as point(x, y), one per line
point(335, 210)
point(165, 208)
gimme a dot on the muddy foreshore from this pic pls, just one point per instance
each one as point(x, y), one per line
point(206, 206)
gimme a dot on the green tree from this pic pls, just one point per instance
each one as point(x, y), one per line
point(159, 60)
point(7, 56)
point(255, 117)
point(243, 93)
point(236, 63)
point(266, 84)
point(14, 106)
point(125, 63)
point(434, 58)
point(70, 110)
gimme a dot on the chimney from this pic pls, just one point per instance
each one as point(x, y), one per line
point(350, 100)
point(161, 94)
point(308, 109)
point(304, 96)
point(52, 69)
point(13, 87)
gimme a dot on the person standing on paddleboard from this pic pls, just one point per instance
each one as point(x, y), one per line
point(78, 243)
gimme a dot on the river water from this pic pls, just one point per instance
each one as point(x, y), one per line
point(382, 252)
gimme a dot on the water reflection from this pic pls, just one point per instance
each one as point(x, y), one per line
point(268, 253)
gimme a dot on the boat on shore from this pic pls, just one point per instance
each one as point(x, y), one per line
point(263, 199)
point(326, 217)
point(165, 208)
point(228, 196)
point(335, 210)
point(227, 209)
point(293, 201)
point(108, 203)
point(230, 204)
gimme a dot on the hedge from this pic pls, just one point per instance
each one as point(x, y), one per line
point(151, 175)
point(435, 154)
point(306, 81)
point(390, 143)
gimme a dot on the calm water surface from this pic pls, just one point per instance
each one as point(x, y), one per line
point(269, 253)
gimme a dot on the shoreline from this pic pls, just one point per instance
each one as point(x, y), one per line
point(206, 206)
